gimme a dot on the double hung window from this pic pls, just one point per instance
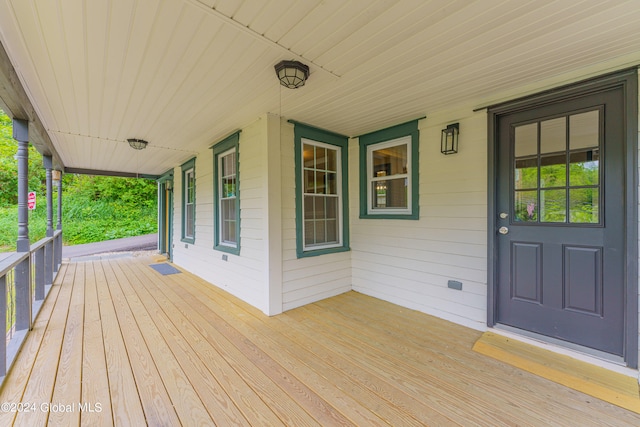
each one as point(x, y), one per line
point(321, 191)
point(321, 195)
point(389, 173)
point(226, 195)
point(189, 201)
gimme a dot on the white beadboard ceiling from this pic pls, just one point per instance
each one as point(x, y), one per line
point(182, 74)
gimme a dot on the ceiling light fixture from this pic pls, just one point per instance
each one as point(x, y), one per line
point(292, 74)
point(137, 144)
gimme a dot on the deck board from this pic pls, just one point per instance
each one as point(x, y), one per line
point(126, 407)
point(175, 350)
point(95, 380)
point(156, 403)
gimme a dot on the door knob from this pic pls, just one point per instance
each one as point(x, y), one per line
point(503, 230)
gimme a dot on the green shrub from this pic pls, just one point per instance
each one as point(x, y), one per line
point(94, 208)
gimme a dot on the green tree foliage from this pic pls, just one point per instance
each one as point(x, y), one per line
point(99, 208)
point(9, 166)
point(95, 208)
point(547, 185)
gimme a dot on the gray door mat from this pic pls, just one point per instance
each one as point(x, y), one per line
point(164, 268)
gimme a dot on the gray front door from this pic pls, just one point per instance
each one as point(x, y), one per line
point(561, 220)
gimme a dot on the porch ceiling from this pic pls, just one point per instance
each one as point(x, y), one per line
point(184, 73)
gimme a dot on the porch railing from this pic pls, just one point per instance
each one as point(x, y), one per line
point(25, 280)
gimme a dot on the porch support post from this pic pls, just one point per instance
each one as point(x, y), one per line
point(273, 221)
point(48, 165)
point(21, 134)
point(59, 226)
point(49, 249)
point(23, 270)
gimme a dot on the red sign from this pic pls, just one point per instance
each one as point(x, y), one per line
point(31, 200)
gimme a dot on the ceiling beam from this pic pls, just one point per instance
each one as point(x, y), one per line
point(81, 171)
point(16, 104)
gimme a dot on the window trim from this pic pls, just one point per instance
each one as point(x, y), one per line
point(340, 233)
point(188, 167)
point(381, 138)
point(404, 140)
point(320, 136)
point(220, 150)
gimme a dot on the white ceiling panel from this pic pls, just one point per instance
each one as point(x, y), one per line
point(184, 73)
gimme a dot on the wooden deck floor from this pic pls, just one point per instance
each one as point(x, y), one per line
point(119, 344)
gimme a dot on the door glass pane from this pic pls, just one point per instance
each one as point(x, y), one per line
point(584, 168)
point(584, 130)
point(553, 134)
point(553, 205)
point(553, 171)
point(584, 205)
point(526, 206)
point(526, 174)
point(526, 140)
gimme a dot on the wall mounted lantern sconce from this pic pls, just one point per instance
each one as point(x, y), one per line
point(137, 144)
point(449, 142)
point(292, 74)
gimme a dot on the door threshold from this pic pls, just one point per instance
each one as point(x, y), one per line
point(584, 354)
point(617, 388)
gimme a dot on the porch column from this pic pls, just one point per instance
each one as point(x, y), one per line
point(48, 165)
point(21, 134)
point(23, 270)
point(59, 224)
point(49, 249)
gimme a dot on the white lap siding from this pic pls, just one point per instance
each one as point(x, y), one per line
point(409, 262)
point(306, 280)
point(241, 275)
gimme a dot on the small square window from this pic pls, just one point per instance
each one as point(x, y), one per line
point(388, 177)
point(389, 173)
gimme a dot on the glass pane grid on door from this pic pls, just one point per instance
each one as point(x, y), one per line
point(556, 170)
